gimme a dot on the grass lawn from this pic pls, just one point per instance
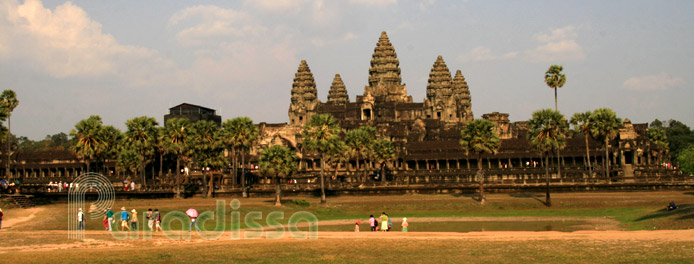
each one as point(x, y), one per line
point(43, 238)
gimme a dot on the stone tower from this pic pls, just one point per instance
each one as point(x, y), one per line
point(385, 83)
point(304, 96)
point(461, 96)
point(338, 92)
point(439, 103)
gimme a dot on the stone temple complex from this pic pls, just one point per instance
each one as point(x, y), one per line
point(426, 136)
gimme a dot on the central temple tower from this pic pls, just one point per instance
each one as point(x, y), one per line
point(385, 83)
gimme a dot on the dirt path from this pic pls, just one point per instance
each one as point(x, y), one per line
point(13, 221)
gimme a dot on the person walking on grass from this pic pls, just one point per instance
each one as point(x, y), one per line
point(390, 223)
point(124, 219)
point(1, 214)
point(404, 224)
point(384, 222)
point(80, 219)
point(109, 216)
point(157, 220)
point(356, 226)
point(133, 220)
point(150, 219)
point(372, 222)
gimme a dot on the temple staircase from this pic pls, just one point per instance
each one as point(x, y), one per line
point(23, 201)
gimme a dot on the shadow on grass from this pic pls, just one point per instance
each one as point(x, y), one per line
point(524, 195)
point(683, 211)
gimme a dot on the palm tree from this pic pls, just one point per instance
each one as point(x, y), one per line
point(479, 137)
point(88, 136)
point(605, 127)
point(141, 137)
point(112, 141)
point(207, 150)
point(176, 134)
point(555, 79)
point(658, 137)
point(320, 134)
point(547, 132)
point(8, 102)
point(128, 160)
point(336, 156)
point(240, 134)
point(384, 152)
point(360, 142)
point(279, 162)
point(581, 122)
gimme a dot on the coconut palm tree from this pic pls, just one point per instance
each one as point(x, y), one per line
point(658, 137)
point(174, 139)
point(279, 162)
point(320, 134)
point(360, 142)
point(477, 138)
point(384, 152)
point(581, 123)
point(8, 102)
point(605, 127)
point(89, 139)
point(207, 151)
point(547, 133)
point(240, 134)
point(141, 136)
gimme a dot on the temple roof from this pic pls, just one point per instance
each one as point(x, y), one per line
point(338, 91)
point(304, 86)
point(385, 66)
point(460, 89)
point(439, 84)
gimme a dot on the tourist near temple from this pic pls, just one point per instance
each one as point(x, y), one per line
point(426, 136)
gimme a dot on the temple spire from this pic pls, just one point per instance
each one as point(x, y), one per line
point(304, 95)
point(439, 84)
point(384, 75)
point(461, 95)
point(338, 91)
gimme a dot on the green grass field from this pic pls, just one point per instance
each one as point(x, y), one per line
point(43, 238)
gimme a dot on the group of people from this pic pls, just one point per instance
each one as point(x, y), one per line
point(385, 225)
point(128, 220)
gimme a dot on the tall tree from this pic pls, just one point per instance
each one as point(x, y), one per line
point(112, 141)
point(175, 138)
point(207, 151)
point(547, 133)
point(680, 136)
point(477, 138)
point(128, 160)
point(581, 123)
point(605, 127)
point(320, 134)
point(141, 136)
point(279, 162)
point(686, 160)
point(336, 156)
point(658, 137)
point(554, 78)
point(8, 102)
point(384, 152)
point(240, 134)
point(360, 142)
point(89, 139)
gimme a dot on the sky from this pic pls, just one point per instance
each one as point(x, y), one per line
point(123, 59)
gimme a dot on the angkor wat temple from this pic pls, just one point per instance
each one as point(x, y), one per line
point(426, 135)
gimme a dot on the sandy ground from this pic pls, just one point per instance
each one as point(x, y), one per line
point(9, 222)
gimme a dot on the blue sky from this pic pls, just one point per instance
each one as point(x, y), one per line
point(122, 59)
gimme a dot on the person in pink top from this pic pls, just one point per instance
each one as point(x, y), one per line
point(372, 222)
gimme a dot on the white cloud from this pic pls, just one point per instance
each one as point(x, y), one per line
point(277, 5)
point(426, 4)
point(482, 53)
point(654, 82)
point(558, 45)
point(65, 42)
point(209, 24)
point(377, 3)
